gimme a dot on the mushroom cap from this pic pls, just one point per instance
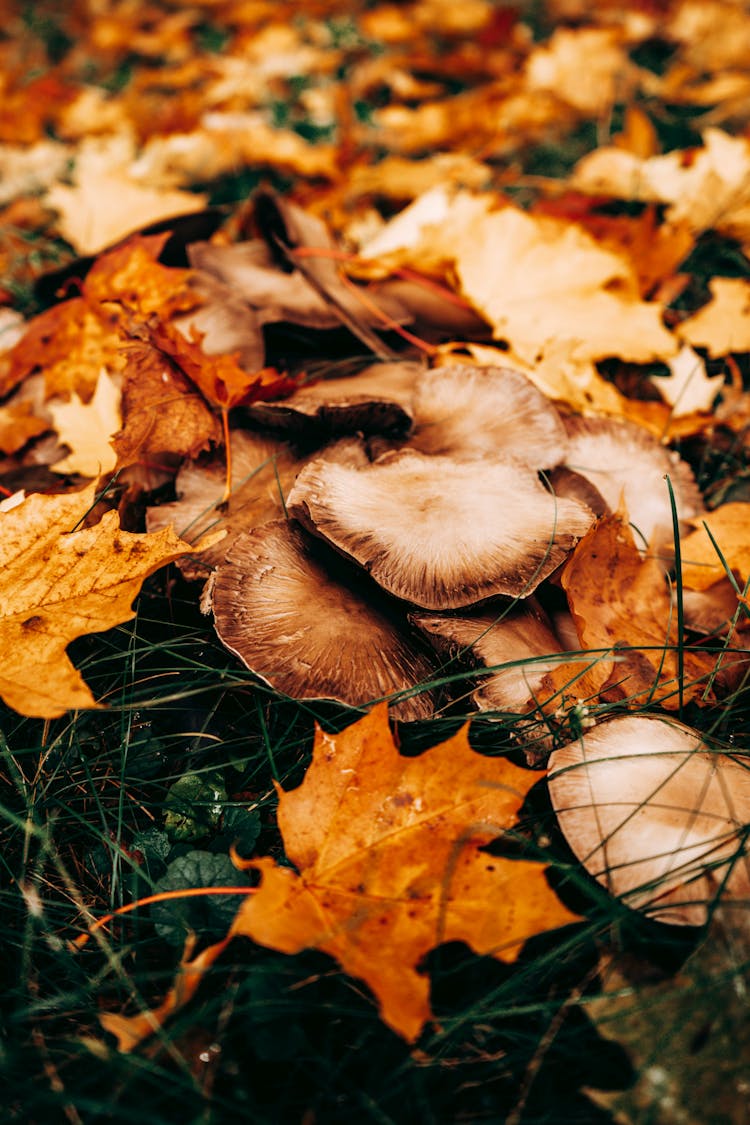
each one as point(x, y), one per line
point(377, 400)
point(438, 532)
point(468, 411)
point(653, 815)
point(517, 638)
point(312, 631)
point(624, 461)
point(263, 471)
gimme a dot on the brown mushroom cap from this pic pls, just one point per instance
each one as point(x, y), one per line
point(517, 638)
point(312, 634)
point(263, 471)
point(468, 411)
point(653, 815)
point(438, 532)
point(624, 461)
point(377, 400)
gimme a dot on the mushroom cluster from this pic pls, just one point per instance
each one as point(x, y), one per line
point(381, 522)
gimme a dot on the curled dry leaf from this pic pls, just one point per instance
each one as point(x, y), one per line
point(438, 532)
point(467, 411)
point(59, 584)
point(655, 816)
point(313, 630)
point(388, 864)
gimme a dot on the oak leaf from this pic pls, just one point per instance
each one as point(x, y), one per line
point(58, 584)
point(389, 864)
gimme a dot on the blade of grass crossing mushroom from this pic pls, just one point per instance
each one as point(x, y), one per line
point(680, 605)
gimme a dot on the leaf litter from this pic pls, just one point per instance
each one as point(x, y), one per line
point(211, 382)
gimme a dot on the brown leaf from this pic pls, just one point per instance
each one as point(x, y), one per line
point(730, 527)
point(132, 275)
point(59, 584)
point(219, 377)
point(627, 624)
point(161, 409)
point(18, 424)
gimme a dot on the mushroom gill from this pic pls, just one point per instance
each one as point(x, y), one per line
point(314, 631)
point(514, 639)
point(439, 532)
point(654, 815)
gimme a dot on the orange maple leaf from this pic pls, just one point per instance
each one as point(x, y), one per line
point(389, 864)
point(132, 275)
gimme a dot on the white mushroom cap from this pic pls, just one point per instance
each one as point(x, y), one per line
point(469, 411)
point(625, 462)
point(517, 637)
point(313, 634)
point(438, 532)
point(654, 816)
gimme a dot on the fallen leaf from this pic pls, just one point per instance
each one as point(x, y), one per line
point(132, 275)
point(730, 527)
point(626, 621)
point(59, 584)
point(71, 343)
point(105, 203)
point(537, 279)
point(585, 67)
point(723, 325)
point(87, 429)
point(389, 864)
point(162, 411)
point(688, 388)
point(18, 424)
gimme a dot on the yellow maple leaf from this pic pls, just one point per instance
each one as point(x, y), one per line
point(105, 203)
point(58, 584)
point(723, 325)
point(87, 429)
point(730, 527)
point(537, 279)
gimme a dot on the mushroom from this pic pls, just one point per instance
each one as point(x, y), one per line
point(313, 629)
point(377, 400)
point(439, 532)
point(519, 638)
point(654, 815)
point(468, 411)
point(625, 462)
point(263, 471)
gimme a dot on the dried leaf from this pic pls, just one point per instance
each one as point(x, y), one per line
point(59, 584)
point(723, 325)
point(730, 527)
point(105, 203)
point(688, 388)
point(18, 424)
point(87, 428)
point(537, 279)
point(627, 625)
